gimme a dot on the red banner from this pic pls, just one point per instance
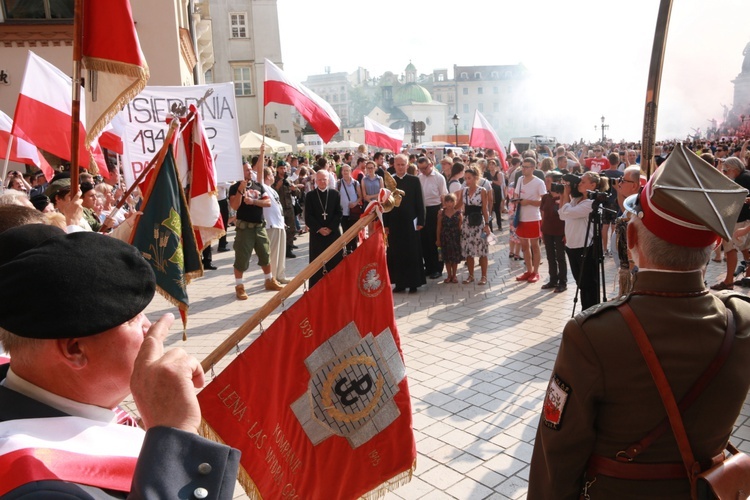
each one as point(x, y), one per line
point(319, 403)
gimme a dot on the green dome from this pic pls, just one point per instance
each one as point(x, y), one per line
point(411, 92)
point(411, 67)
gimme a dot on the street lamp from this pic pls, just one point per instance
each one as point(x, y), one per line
point(604, 127)
point(456, 119)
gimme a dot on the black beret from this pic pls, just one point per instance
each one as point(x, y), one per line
point(92, 282)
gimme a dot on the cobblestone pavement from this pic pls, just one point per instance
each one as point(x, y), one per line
point(478, 359)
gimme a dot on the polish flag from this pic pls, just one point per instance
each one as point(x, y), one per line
point(318, 113)
point(484, 136)
point(21, 151)
point(112, 55)
point(43, 114)
point(513, 150)
point(382, 136)
point(202, 193)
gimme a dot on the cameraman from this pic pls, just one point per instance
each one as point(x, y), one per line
point(574, 211)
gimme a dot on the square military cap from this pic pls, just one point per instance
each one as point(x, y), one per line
point(688, 202)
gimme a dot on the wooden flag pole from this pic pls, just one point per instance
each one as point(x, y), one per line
point(75, 117)
point(248, 326)
point(654, 86)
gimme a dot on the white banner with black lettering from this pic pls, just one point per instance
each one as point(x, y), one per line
point(145, 127)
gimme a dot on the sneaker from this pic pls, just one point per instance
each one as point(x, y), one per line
point(273, 285)
point(525, 276)
point(722, 286)
point(239, 291)
point(534, 278)
point(549, 285)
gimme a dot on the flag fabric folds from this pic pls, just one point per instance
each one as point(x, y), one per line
point(200, 177)
point(484, 136)
point(164, 234)
point(22, 150)
point(512, 149)
point(117, 70)
point(319, 403)
point(382, 136)
point(318, 113)
point(43, 114)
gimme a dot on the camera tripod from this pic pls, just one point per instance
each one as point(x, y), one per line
point(593, 254)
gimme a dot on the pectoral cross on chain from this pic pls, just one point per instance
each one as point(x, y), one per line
point(325, 215)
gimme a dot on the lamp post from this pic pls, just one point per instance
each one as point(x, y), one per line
point(456, 119)
point(604, 128)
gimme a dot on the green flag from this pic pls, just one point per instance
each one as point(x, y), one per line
point(164, 235)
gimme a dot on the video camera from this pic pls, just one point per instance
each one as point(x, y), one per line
point(572, 180)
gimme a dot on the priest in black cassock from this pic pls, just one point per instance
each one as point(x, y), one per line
point(403, 224)
point(322, 217)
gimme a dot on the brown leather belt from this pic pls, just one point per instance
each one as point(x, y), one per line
point(599, 465)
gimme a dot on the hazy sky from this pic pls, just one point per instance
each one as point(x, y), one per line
point(588, 58)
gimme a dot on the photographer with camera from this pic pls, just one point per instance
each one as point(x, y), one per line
point(574, 211)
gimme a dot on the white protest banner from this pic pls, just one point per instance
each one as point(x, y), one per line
point(145, 119)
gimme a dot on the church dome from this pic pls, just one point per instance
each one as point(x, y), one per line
point(411, 93)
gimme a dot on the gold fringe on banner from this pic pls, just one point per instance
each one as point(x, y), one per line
point(141, 75)
point(390, 485)
point(206, 431)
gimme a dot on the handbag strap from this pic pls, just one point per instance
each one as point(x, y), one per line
point(696, 390)
point(662, 384)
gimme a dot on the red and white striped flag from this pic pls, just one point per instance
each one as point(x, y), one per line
point(484, 136)
point(383, 137)
point(21, 150)
point(512, 149)
point(43, 113)
point(196, 163)
point(112, 55)
point(318, 113)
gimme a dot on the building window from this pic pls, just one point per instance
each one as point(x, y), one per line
point(38, 9)
point(466, 108)
point(466, 91)
point(496, 107)
point(441, 77)
point(480, 90)
point(450, 97)
point(439, 98)
point(243, 81)
point(208, 77)
point(480, 107)
point(464, 76)
point(477, 75)
point(494, 75)
point(495, 90)
point(238, 24)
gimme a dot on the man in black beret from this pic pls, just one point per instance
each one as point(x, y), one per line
point(71, 367)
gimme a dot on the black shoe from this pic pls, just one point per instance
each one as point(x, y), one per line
point(290, 255)
point(435, 275)
point(223, 249)
point(549, 285)
point(209, 266)
point(561, 288)
point(295, 247)
point(398, 289)
point(413, 289)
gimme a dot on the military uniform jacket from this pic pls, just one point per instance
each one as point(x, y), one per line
point(601, 397)
point(172, 463)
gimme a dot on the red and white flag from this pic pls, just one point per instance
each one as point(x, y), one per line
point(383, 137)
point(319, 403)
point(512, 149)
point(199, 173)
point(484, 136)
point(113, 57)
point(318, 113)
point(21, 150)
point(43, 114)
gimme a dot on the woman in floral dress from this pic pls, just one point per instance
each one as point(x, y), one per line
point(475, 229)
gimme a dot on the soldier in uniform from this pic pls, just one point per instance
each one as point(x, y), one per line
point(601, 398)
point(62, 433)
